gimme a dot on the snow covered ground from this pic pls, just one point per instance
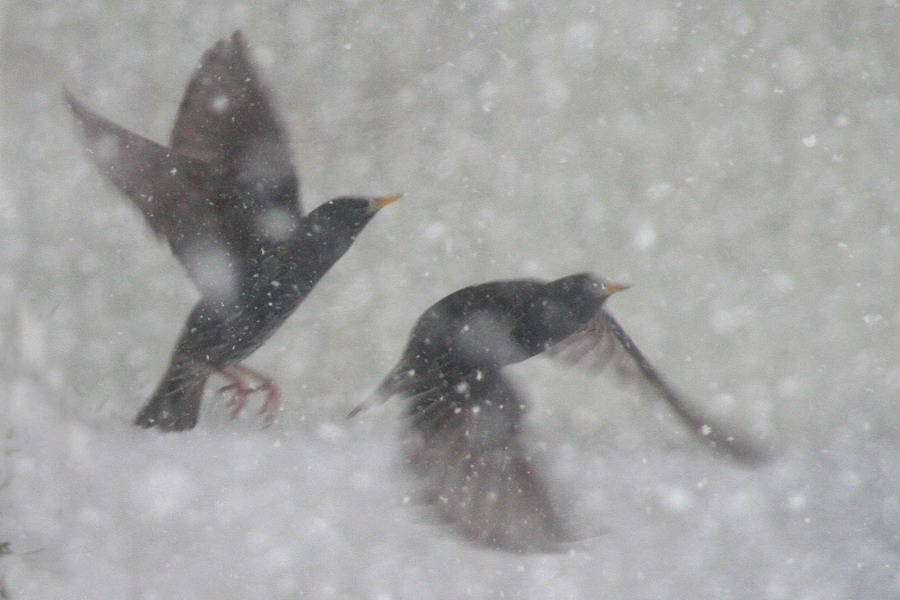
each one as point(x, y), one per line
point(736, 161)
point(101, 510)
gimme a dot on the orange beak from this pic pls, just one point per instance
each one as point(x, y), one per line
point(385, 200)
point(613, 287)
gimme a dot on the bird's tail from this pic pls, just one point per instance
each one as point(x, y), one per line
point(411, 383)
point(175, 404)
point(389, 386)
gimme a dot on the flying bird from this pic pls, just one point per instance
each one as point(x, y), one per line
point(225, 196)
point(467, 416)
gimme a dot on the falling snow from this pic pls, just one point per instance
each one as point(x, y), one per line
point(737, 162)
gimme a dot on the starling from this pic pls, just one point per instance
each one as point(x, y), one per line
point(226, 198)
point(468, 417)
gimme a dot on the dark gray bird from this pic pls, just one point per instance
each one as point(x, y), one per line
point(226, 198)
point(468, 416)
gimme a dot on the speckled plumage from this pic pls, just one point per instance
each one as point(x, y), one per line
point(226, 198)
point(467, 415)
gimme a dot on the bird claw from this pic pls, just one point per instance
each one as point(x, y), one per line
point(241, 392)
point(272, 402)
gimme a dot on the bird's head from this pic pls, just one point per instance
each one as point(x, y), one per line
point(349, 214)
point(341, 219)
point(580, 296)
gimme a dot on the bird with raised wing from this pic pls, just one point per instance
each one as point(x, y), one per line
point(467, 416)
point(225, 196)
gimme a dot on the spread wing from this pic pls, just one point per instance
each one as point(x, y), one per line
point(475, 471)
point(226, 120)
point(172, 192)
point(604, 342)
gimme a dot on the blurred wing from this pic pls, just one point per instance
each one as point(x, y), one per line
point(604, 342)
point(476, 473)
point(226, 120)
point(168, 190)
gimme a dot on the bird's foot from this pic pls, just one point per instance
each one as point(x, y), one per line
point(272, 402)
point(240, 391)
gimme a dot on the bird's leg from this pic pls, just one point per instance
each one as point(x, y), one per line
point(238, 375)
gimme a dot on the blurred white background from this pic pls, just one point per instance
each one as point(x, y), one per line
point(736, 161)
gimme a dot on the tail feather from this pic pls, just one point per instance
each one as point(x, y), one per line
point(175, 405)
point(389, 386)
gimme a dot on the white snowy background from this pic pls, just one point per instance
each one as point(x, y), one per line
point(738, 162)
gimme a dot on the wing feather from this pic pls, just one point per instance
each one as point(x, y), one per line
point(226, 120)
point(170, 191)
point(476, 472)
point(604, 343)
